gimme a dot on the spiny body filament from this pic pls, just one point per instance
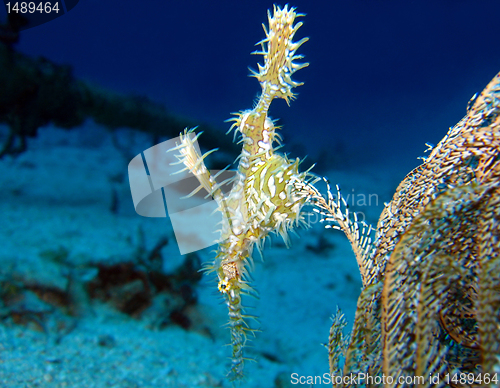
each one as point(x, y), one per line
point(265, 196)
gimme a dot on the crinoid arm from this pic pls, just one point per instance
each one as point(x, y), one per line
point(336, 215)
point(430, 305)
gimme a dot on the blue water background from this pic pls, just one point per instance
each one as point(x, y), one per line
point(385, 77)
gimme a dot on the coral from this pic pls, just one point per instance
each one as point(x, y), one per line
point(265, 196)
point(430, 304)
point(57, 288)
point(36, 92)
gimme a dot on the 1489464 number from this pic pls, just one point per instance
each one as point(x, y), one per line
point(32, 7)
point(471, 378)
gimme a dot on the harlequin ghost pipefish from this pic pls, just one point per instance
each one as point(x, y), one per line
point(267, 192)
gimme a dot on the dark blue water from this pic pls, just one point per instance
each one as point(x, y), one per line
point(384, 77)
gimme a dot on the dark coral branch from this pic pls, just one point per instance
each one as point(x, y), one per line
point(36, 92)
